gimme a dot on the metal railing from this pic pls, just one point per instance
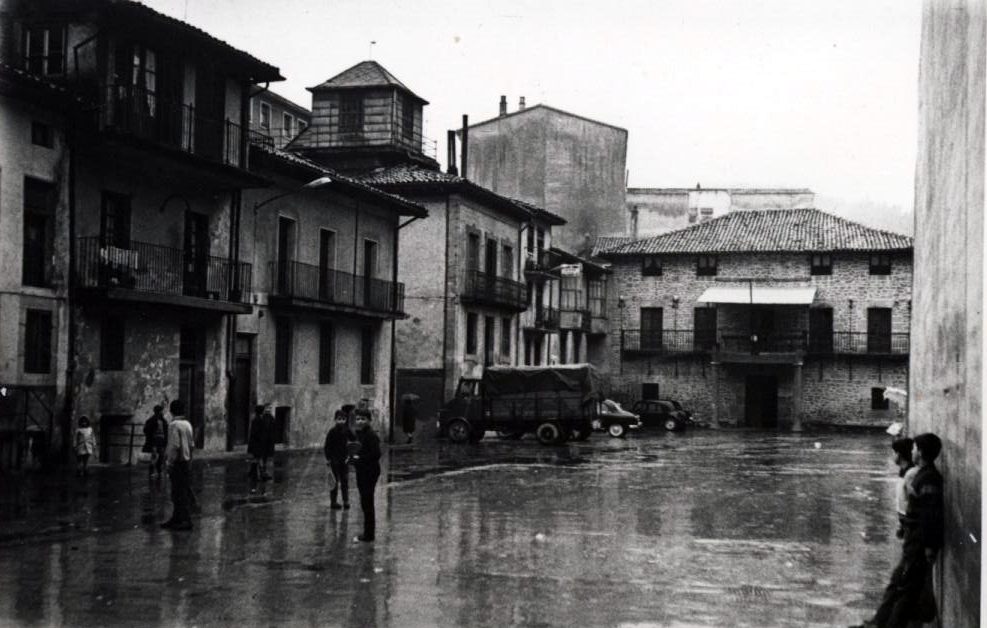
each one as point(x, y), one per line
point(480, 287)
point(861, 342)
point(337, 287)
point(541, 261)
point(764, 342)
point(158, 269)
point(546, 318)
point(136, 111)
point(27, 424)
point(665, 341)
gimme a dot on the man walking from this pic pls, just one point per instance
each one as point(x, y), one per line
point(260, 443)
point(366, 461)
point(178, 454)
point(908, 598)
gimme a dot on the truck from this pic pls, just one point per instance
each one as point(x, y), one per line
point(555, 403)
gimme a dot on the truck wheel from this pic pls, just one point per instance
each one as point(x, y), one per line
point(548, 433)
point(458, 430)
point(616, 430)
point(670, 425)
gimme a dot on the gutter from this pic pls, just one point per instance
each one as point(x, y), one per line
point(394, 324)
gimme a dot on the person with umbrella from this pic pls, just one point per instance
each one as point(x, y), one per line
point(409, 415)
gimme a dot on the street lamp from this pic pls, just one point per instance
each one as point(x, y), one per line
point(315, 183)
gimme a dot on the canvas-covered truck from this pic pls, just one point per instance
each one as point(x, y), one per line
point(555, 403)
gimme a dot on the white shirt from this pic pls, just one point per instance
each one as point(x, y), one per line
point(180, 443)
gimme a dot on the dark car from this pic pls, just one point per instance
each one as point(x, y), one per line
point(659, 413)
point(615, 420)
point(678, 406)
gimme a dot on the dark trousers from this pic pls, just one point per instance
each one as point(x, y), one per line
point(181, 492)
point(366, 481)
point(899, 606)
point(157, 459)
point(341, 472)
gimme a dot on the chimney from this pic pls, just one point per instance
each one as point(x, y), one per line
point(451, 154)
point(520, 104)
point(503, 105)
point(466, 144)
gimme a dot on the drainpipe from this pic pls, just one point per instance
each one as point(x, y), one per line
point(69, 401)
point(394, 302)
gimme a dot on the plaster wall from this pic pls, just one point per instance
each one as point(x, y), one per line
point(946, 379)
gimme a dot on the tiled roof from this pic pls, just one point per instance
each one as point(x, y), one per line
point(365, 74)
point(410, 175)
point(316, 169)
point(769, 230)
point(605, 243)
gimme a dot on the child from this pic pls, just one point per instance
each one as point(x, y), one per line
point(85, 446)
point(366, 461)
point(335, 450)
point(903, 459)
point(155, 439)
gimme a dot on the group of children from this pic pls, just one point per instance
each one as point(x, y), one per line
point(361, 448)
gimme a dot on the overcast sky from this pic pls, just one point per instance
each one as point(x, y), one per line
point(747, 93)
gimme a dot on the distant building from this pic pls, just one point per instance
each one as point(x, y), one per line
point(568, 164)
point(653, 211)
point(275, 119)
point(771, 318)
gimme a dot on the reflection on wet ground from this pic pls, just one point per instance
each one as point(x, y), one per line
point(708, 528)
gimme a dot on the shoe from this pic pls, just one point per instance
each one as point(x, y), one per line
point(364, 539)
point(346, 506)
point(336, 507)
point(184, 525)
point(167, 525)
point(265, 476)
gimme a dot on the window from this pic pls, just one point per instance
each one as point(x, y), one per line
point(878, 330)
point(596, 298)
point(408, 118)
point(44, 49)
point(704, 328)
point(488, 340)
point(111, 342)
point(114, 220)
point(42, 134)
point(473, 251)
point(651, 327)
point(821, 264)
point(288, 125)
point(505, 337)
point(327, 265)
point(576, 341)
point(651, 266)
point(540, 239)
point(706, 266)
point(877, 400)
point(490, 266)
point(507, 261)
point(265, 116)
point(351, 113)
point(326, 345)
point(880, 264)
point(39, 221)
point(471, 321)
point(282, 350)
point(37, 341)
point(706, 213)
point(367, 355)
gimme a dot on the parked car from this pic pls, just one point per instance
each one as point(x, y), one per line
point(615, 420)
point(678, 406)
point(659, 413)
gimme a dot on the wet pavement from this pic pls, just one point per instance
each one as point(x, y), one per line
point(707, 528)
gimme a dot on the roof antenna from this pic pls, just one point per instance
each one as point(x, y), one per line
point(370, 51)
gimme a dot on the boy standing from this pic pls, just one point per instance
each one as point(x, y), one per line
point(335, 451)
point(366, 460)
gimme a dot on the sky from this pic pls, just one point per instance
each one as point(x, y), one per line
point(820, 94)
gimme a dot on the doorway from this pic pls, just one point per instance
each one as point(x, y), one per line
point(191, 379)
point(761, 401)
point(240, 416)
point(650, 390)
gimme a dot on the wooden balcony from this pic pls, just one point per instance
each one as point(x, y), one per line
point(484, 289)
point(308, 287)
point(150, 273)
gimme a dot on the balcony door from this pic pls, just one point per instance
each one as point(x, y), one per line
point(369, 271)
point(210, 112)
point(821, 330)
point(762, 328)
point(191, 378)
point(196, 254)
point(652, 319)
point(704, 328)
point(878, 330)
point(114, 221)
point(327, 264)
point(286, 255)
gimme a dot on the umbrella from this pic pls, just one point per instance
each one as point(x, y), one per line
point(410, 397)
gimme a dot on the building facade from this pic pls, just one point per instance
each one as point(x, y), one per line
point(275, 120)
point(769, 318)
point(653, 211)
point(565, 163)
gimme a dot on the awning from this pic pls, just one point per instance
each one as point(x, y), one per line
point(763, 295)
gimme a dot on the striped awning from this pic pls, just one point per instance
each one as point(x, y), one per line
point(758, 295)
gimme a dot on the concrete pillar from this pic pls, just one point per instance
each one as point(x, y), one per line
point(797, 398)
point(715, 374)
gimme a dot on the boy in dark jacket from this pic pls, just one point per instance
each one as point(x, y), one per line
point(335, 450)
point(366, 461)
point(260, 442)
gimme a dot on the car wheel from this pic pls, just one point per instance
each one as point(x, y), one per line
point(670, 424)
point(616, 430)
point(458, 430)
point(548, 433)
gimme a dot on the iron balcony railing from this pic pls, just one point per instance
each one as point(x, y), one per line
point(764, 342)
point(489, 289)
point(541, 261)
point(659, 341)
point(861, 342)
point(333, 137)
point(141, 113)
point(158, 269)
point(546, 318)
point(335, 287)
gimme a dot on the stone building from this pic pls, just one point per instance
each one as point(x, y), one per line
point(325, 298)
point(769, 318)
point(653, 211)
point(946, 375)
point(461, 267)
point(140, 198)
point(568, 164)
point(275, 120)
